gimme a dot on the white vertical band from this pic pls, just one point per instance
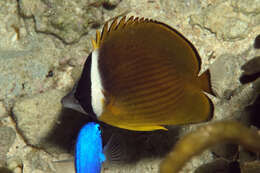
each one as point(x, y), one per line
point(96, 85)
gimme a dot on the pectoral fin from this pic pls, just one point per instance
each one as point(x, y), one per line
point(115, 149)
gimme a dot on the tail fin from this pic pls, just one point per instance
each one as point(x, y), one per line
point(205, 82)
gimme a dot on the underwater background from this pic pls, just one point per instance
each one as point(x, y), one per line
point(44, 44)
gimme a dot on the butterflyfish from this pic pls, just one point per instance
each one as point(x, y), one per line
point(142, 75)
point(89, 150)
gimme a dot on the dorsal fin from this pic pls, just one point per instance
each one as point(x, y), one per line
point(132, 24)
point(115, 25)
point(141, 20)
point(96, 43)
point(128, 22)
point(123, 24)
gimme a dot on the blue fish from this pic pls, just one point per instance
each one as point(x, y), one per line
point(89, 151)
point(89, 154)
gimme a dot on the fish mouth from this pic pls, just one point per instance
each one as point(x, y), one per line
point(69, 101)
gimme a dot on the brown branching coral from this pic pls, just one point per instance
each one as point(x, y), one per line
point(204, 137)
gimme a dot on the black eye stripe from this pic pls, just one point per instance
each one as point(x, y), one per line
point(83, 90)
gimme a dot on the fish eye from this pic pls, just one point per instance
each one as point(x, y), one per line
point(98, 127)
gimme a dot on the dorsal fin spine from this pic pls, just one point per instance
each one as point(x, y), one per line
point(116, 25)
point(141, 20)
point(121, 23)
point(136, 19)
point(94, 44)
point(130, 20)
point(113, 25)
point(98, 37)
point(104, 32)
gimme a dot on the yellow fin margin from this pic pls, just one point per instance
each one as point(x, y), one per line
point(143, 128)
point(113, 120)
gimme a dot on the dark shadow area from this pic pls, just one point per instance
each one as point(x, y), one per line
point(65, 133)
point(249, 78)
point(227, 151)
point(5, 170)
point(254, 113)
point(257, 42)
point(247, 156)
point(219, 166)
point(137, 145)
point(108, 5)
point(251, 70)
point(234, 167)
point(140, 145)
point(251, 74)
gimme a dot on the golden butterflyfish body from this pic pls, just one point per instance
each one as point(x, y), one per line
point(142, 75)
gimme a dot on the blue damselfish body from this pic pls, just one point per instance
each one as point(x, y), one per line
point(89, 154)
